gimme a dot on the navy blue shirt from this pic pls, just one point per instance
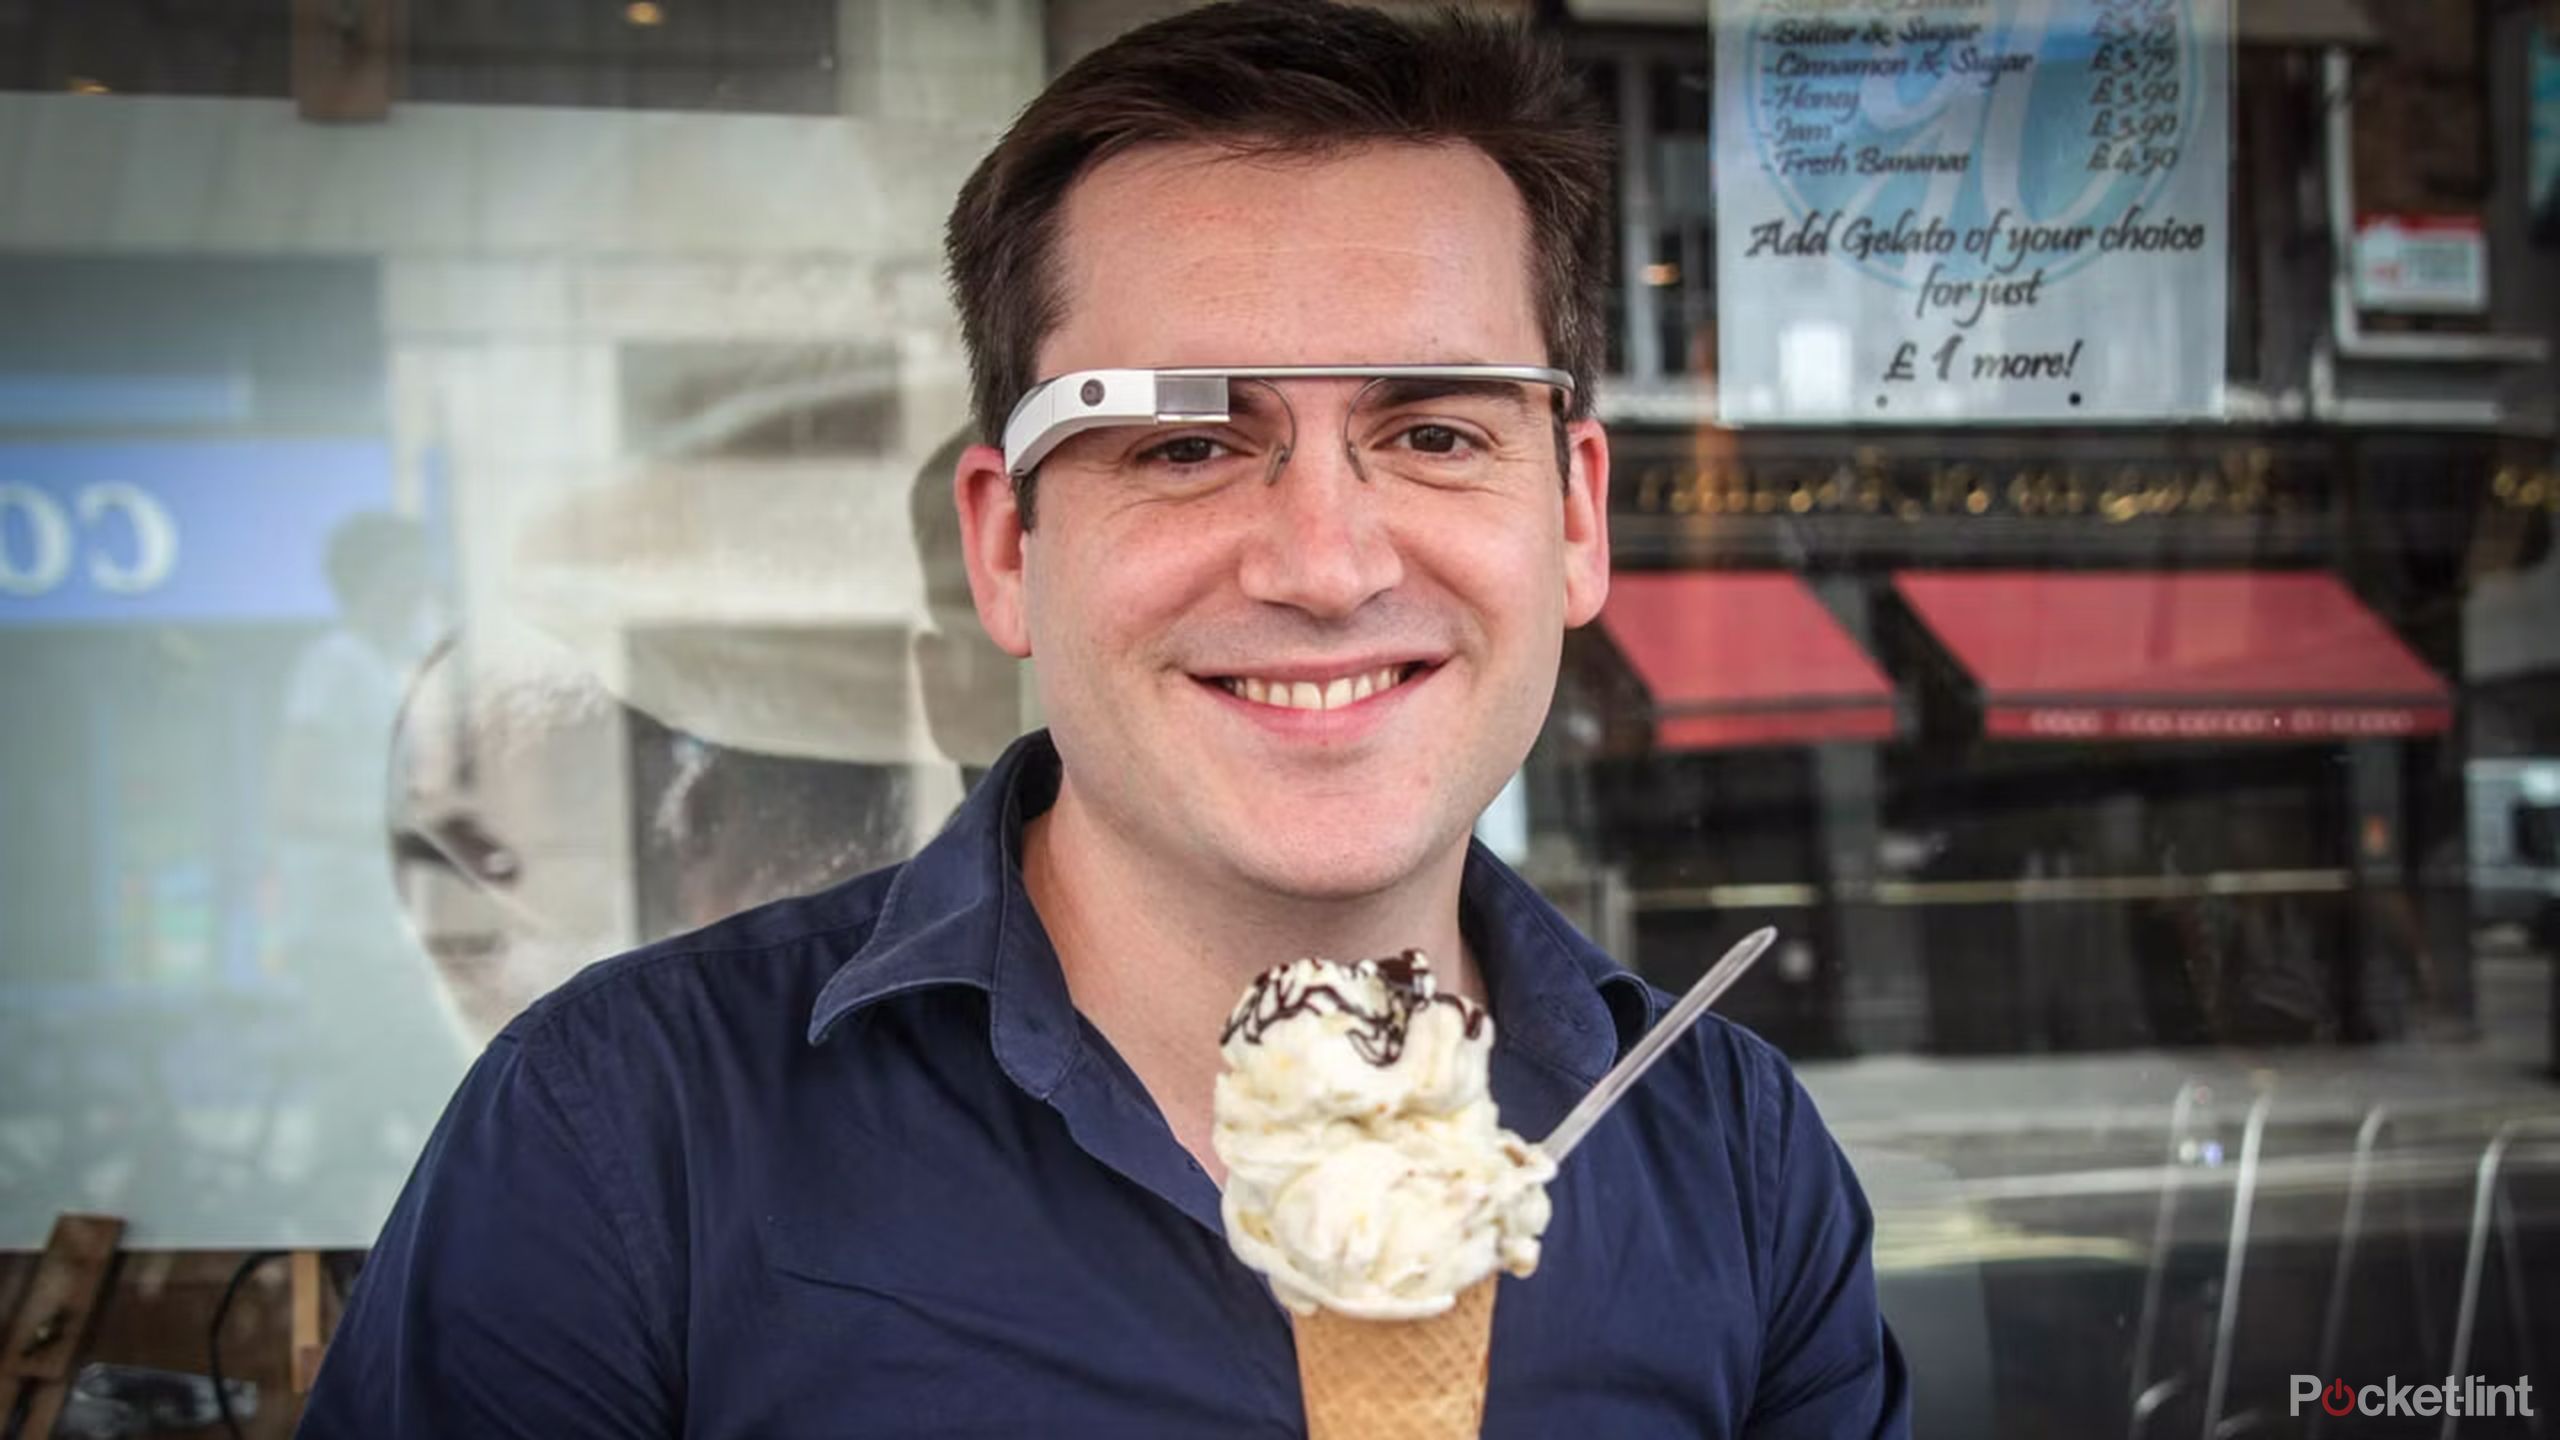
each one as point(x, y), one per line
point(852, 1165)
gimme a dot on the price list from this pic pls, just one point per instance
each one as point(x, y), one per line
point(1997, 210)
point(2135, 99)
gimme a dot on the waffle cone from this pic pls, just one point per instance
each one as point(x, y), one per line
point(1397, 1379)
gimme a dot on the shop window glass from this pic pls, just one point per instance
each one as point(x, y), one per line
point(441, 547)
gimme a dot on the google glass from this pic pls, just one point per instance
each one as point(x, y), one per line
point(1059, 409)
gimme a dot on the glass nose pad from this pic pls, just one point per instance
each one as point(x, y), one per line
point(1260, 412)
point(1358, 420)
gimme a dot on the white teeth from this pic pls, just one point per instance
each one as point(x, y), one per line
point(1307, 695)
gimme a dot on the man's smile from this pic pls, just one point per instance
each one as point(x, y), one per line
point(1332, 691)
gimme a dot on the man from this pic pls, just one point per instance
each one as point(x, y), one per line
point(927, 1153)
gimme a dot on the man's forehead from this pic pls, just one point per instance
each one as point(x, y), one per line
point(1194, 254)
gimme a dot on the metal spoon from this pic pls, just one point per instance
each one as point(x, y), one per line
point(1623, 1075)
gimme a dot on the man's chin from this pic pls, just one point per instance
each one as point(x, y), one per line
point(1322, 871)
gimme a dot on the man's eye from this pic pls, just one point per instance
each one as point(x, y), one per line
point(1435, 440)
point(1183, 450)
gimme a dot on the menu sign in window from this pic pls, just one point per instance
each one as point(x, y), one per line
point(1948, 210)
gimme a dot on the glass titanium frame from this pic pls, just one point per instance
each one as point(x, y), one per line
point(1064, 406)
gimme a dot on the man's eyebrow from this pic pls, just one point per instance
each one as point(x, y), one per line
point(1253, 398)
point(1412, 390)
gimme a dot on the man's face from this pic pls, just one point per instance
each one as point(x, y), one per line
point(1143, 609)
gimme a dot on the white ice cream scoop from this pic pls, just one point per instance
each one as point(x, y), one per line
point(1367, 1171)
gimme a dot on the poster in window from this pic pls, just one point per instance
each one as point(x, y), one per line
point(1972, 210)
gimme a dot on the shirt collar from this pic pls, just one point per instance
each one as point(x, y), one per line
point(1556, 996)
point(957, 914)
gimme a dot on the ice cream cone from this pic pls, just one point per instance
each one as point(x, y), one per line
point(1397, 1379)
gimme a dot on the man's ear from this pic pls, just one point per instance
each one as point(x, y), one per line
point(1586, 522)
point(991, 542)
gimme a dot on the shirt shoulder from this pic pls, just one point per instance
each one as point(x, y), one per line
point(649, 1059)
point(1725, 1091)
point(1742, 1078)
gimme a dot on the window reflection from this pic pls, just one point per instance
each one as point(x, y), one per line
point(436, 554)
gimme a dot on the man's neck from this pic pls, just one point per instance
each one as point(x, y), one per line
point(1155, 954)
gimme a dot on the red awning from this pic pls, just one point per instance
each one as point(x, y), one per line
point(2188, 655)
point(1746, 658)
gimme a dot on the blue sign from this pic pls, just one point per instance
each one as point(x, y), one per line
point(178, 531)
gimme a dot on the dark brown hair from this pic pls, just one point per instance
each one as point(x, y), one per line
point(1284, 77)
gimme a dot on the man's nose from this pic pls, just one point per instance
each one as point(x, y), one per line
point(1320, 543)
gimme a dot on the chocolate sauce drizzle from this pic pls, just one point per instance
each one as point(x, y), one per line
point(1380, 1036)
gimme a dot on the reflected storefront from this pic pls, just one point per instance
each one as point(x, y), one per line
point(2136, 670)
point(2131, 777)
point(2143, 802)
point(502, 517)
